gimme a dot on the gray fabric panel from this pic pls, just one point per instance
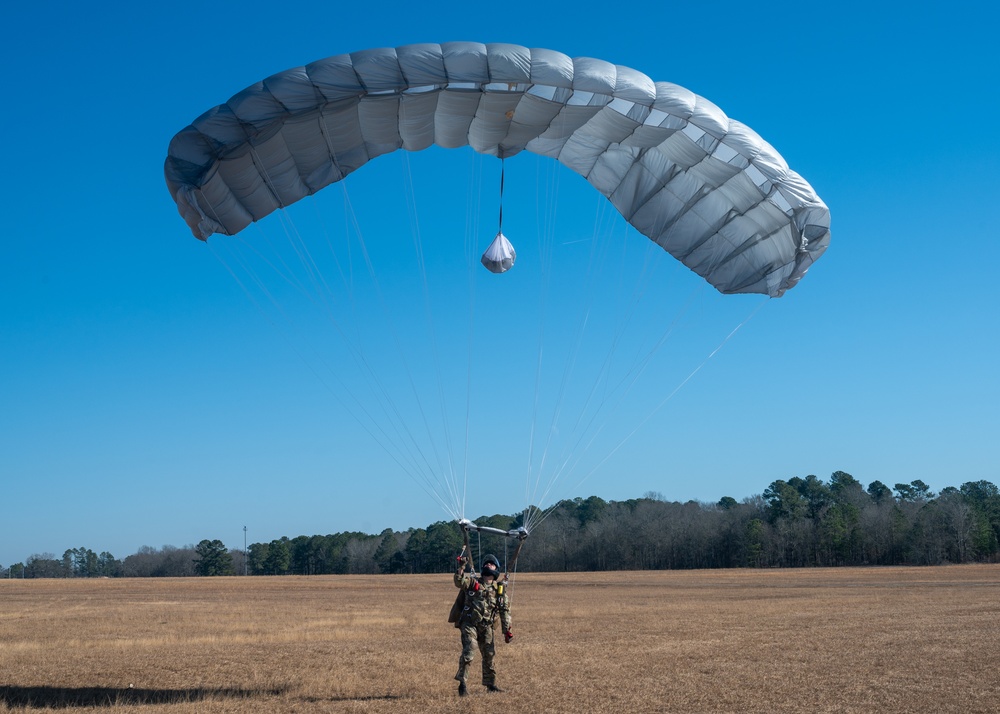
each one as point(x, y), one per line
point(610, 169)
point(594, 75)
point(421, 65)
point(489, 127)
point(531, 117)
point(247, 185)
point(378, 70)
point(713, 172)
point(639, 185)
point(740, 192)
point(454, 114)
point(308, 150)
point(257, 108)
point(416, 120)
point(223, 206)
point(465, 62)
point(653, 216)
point(679, 194)
point(610, 126)
point(189, 153)
point(294, 90)
point(680, 150)
point(553, 69)
point(222, 128)
point(646, 137)
point(635, 86)
point(744, 140)
point(342, 130)
point(709, 117)
point(543, 146)
point(335, 77)
point(674, 100)
point(566, 123)
point(508, 63)
point(281, 173)
point(580, 153)
point(379, 120)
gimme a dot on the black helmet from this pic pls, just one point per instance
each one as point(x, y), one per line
point(491, 566)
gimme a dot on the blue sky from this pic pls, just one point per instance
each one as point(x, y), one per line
point(145, 400)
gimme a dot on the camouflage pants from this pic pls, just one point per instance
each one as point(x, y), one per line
point(483, 635)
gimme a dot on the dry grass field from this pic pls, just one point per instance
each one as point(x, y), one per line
point(825, 640)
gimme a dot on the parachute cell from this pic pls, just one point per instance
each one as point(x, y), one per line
point(706, 188)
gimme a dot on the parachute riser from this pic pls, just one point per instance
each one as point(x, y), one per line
point(520, 533)
point(513, 559)
point(467, 551)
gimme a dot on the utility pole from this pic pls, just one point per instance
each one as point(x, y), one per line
point(244, 550)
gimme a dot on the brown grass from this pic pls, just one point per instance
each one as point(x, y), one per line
point(826, 640)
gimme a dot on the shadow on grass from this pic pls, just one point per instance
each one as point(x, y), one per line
point(69, 697)
point(359, 698)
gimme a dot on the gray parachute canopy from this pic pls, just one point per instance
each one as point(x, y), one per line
point(706, 188)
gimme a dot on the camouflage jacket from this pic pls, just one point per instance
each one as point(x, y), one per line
point(482, 602)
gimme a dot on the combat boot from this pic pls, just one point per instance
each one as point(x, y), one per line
point(493, 688)
point(460, 676)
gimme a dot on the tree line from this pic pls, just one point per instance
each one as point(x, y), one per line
point(209, 557)
point(800, 522)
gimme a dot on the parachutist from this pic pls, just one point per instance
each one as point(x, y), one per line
point(483, 601)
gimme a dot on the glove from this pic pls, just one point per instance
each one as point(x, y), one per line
point(508, 636)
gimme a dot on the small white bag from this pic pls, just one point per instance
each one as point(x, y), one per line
point(500, 256)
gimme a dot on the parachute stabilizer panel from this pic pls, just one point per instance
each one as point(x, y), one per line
point(706, 188)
